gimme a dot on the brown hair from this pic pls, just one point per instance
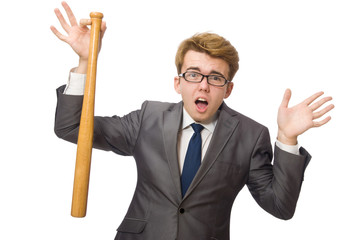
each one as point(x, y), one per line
point(213, 45)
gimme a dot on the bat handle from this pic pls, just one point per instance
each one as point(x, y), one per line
point(85, 136)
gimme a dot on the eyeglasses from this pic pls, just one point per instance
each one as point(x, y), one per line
point(195, 77)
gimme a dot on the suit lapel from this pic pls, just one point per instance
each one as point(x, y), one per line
point(171, 123)
point(225, 127)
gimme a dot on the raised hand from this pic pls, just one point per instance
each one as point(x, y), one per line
point(78, 35)
point(295, 120)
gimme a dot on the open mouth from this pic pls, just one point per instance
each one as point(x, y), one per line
point(201, 104)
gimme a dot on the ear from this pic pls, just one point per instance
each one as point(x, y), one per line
point(176, 84)
point(229, 89)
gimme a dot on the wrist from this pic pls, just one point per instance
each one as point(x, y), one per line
point(82, 67)
point(288, 140)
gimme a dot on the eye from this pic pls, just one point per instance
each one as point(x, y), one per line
point(216, 78)
point(192, 75)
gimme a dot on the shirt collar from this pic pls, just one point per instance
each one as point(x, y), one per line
point(210, 125)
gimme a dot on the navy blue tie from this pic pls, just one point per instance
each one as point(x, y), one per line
point(192, 159)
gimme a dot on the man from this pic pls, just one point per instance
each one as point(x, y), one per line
point(193, 157)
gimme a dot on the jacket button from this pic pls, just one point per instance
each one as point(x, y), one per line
point(182, 210)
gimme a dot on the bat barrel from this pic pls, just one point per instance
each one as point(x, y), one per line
point(85, 136)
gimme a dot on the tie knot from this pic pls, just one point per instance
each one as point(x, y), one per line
point(197, 127)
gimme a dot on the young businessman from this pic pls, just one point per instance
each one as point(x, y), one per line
point(193, 157)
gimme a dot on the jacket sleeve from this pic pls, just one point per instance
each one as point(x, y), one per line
point(276, 187)
point(117, 134)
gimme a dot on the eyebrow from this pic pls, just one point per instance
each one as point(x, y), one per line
point(193, 68)
point(198, 69)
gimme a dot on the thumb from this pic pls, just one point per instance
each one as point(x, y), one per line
point(286, 98)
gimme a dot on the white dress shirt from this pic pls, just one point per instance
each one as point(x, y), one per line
point(75, 86)
point(186, 132)
point(76, 83)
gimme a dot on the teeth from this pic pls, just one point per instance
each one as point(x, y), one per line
point(202, 99)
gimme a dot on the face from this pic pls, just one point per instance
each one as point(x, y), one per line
point(201, 100)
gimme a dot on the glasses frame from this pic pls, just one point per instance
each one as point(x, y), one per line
point(203, 76)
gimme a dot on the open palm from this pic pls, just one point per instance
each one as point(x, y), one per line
point(78, 35)
point(295, 120)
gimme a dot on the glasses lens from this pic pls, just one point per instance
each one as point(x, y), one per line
point(193, 76)
point(216, 80)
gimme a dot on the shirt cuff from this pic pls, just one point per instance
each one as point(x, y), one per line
point(76, 83)
point(293, 149)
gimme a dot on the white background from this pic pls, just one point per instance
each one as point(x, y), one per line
point(307, 46)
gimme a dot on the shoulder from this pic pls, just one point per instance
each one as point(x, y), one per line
point(155, 109)
point(243, 119)
point(248, 130)
point(156, 106)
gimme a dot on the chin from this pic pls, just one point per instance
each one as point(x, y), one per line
point(202, 118)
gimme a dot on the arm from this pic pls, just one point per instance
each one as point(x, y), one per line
point(276, 187)
point(69, 107)
point(117, 134)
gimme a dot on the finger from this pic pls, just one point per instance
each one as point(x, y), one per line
point(58, 34)
point(313, 97)
point(103, 29)
point(323, 111)
point(318, 104)
point(286, 98)
point(85, 22)
point(72, 19)
point(321, 123)
point(61, 19)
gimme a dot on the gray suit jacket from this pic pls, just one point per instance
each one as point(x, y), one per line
point(239, 153)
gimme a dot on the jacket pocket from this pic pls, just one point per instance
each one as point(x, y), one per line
point(131, 225)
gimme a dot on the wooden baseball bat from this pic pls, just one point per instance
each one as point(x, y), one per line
point(85, 137)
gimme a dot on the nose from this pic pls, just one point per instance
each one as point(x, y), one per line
point(204, 86)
